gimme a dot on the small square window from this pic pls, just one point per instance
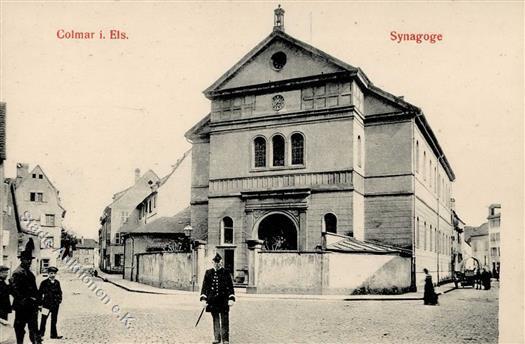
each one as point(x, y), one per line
point(308, 92)
point(308, 104)
point(320, 90)
point(34, 175)
point(40, 176)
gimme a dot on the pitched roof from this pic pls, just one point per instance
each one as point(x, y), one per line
point(88, 243)
point(119, 195)
point(166, 225)
point(179, 161)
point(275, 35)
point(39, 169)
point(476, 231)
point(352, 245)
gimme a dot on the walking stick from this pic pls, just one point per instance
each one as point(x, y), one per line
point(200, 316)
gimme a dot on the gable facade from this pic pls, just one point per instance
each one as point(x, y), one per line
point(37, 200)
point(298, 143)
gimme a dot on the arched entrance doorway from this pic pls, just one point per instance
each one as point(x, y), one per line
point(278, 232)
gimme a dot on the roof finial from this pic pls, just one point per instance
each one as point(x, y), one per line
point(278, 19)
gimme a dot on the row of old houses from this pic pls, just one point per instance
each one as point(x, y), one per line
point(32, 214)
point(305, 176)
point(144, 217)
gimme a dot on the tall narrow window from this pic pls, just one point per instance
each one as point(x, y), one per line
point(227, 230)
point(417, 232)
point(417, 156)
point(359, 151)
point(435, 180)
point(259, 145)
point(425, 236)
point(330, 223)
point(430, 173)
point(424, 165)
point(278, 150)
point(297, 149)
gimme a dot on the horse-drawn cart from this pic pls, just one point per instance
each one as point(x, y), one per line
point(467, 275)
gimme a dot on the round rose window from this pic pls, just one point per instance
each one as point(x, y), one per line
point(277, 102)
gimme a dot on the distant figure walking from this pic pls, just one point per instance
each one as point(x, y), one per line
point(429, 297)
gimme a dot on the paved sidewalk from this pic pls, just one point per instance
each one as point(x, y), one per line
point(241, 292)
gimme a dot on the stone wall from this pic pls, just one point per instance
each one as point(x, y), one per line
point(331, 273)
point(166, 270)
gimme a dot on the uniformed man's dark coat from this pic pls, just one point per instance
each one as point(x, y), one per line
point(50, 294)
point(24, 290)
point(217, 289)
point(5, 302)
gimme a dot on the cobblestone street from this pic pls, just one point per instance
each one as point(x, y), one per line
point(464, 316)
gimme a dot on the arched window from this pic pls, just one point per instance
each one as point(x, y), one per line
point(259, 146)
point(297, 149)
point(278, 150)
point(417, 156)
point(227, 230)
point(330, 223)
point(359, 151)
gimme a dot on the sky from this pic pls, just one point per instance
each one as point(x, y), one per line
point(91, 111)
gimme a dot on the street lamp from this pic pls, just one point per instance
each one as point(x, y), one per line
point(188, 229)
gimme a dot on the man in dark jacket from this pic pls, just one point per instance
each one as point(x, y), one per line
point(218, 296)
point(5, 290)
point(25, 303)
point(50, 299)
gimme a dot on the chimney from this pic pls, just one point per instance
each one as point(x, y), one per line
point(22, 170)
point(137, 174)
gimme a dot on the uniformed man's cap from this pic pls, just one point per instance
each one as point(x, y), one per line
point(52, 269)
point(217, 258)
point(4, 268)
point(26, 255)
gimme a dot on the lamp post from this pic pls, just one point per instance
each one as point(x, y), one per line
point(187, 231)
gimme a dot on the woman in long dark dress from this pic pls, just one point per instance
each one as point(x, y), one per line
point(485, 278)
point(429, 297)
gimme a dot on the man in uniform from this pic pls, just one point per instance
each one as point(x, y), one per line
point(218, 296)
point(5, 290)
point(25, 303)
point(50, 298)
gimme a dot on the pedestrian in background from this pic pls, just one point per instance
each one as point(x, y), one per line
point(25, 302)
point(477, 278)
point(218, 295)
point(5, 290)
point(429, 297)
point(485, 279)
point(50, 299)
